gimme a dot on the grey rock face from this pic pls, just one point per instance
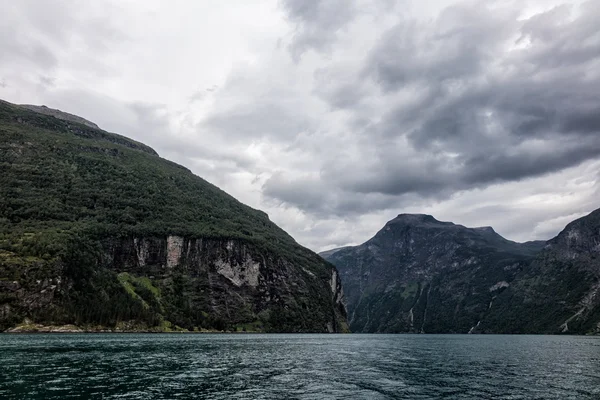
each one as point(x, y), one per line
point(232, 280)
point(200, 279)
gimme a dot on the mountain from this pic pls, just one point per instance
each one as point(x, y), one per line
point(419, 274)
point(98, 231)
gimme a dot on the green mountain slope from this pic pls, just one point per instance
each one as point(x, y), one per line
point(97, 229)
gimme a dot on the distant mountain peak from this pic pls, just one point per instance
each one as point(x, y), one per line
point(415, 218)
point(422, 220)
point(415, 215)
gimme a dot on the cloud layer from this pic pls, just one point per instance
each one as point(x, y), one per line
point(334, 116)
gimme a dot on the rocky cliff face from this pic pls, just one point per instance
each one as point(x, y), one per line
point(235, 282)
point(194, 284)
point(422, 275)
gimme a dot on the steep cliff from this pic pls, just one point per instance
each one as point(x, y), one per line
point(98, 231)
point(419, 274)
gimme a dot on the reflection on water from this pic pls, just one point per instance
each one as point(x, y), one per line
point(166, 366)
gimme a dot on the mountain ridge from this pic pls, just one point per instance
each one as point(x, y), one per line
point(418, 274)
point(423, 219)
point(59, 114)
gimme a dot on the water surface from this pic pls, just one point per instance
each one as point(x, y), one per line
point(237, 366)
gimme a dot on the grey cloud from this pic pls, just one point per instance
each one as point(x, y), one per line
point(265, 118)
point(585, 121)
point(312, 195)
point(29, 29)
point(197, 96)
point(339, 87)
point(13, 49)
point(559, 42)
point(59, 22)
point(493, 113)
point(317, 23)
point(491, 99)
point(399, 175)
point(151, 125)
point(342, 97)
point(303, 193)
point(527, 163)
point(46, 81)
point(455, 47)
point(37, 36)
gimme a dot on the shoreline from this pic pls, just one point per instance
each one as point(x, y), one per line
point(74, 329)
point(13, 331)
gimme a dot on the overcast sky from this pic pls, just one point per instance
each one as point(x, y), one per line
point(334, 116)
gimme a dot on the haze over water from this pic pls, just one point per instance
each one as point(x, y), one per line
point(165, 366)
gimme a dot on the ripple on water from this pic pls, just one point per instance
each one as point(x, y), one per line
point(299, 366)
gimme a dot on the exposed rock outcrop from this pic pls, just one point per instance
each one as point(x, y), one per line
point(229, 279)
point(193, 284)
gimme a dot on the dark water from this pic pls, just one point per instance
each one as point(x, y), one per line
point(132, 366)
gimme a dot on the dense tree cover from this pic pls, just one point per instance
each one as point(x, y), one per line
point(58, 177)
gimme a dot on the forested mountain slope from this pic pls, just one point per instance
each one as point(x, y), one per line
point(97, 230)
